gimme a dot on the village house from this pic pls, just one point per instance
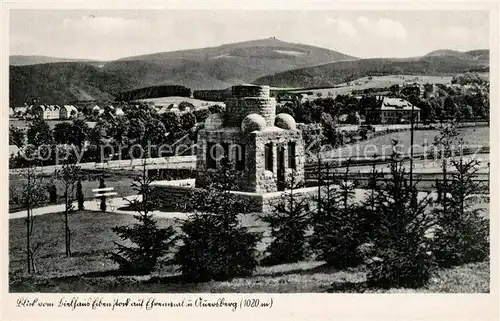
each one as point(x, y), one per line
point(395, 111)
point(68, 111)
point(46, 111)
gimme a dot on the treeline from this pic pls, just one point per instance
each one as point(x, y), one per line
point(212, 95)
point(154, 92)
point(138, 127)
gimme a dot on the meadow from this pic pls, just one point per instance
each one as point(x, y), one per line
point(378, 82)
point(90, 270)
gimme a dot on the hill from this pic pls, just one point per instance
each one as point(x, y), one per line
point(205, 68)
point(344, 71)
point(225, 65)
point(20, 60)
point(59, 83)
point(481, 54)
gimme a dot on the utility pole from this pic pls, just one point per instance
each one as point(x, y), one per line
point(411, 143)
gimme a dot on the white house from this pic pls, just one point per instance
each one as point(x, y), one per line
point(68, 111)
point(46, 111)
point(395, 111)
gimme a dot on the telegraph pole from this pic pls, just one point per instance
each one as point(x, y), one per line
point(411, 144)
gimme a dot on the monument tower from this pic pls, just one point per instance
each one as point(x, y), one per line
point(266, 148)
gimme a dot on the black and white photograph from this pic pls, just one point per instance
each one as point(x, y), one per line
point(234, 151)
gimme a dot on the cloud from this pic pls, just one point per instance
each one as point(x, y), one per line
point(105, 25)
point(344, 27)
point(390, 29)
point(363, 20)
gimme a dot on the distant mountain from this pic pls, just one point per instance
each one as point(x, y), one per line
point(225, 65)
point(20, 60)
point(205, 68)
point(481, 54)
point(344, 71)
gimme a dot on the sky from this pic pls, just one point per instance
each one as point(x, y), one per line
point(108, 35)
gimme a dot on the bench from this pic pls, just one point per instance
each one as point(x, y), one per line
point(107, 192)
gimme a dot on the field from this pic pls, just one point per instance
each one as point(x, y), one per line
point(89, 270)
point(379, 82)
point(165, 101)
point(473, 136)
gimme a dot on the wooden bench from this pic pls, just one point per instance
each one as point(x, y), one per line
point(107, 192)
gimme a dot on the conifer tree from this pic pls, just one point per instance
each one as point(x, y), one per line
point(462, 233)
point(150, 242)
point(288, 221)
point(214, 244)
point(338, 225)
point(401, 252)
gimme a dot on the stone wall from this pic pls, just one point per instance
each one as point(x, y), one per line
point(239, 108)
point(266, 181)
point(251, 91)
point(234, 138)
point(173, 196)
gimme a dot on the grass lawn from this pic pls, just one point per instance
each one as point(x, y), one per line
point(119, 180)
point(89, 270)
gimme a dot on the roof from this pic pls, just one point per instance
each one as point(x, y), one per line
point(396, 104)
point(70, 108)
point(48, 107)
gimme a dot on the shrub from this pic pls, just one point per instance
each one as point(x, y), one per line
point(215, 246)
point(79, 195)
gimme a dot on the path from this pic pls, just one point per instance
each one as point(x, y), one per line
point(93, 205)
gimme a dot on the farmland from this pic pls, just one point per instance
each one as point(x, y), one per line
point(165, 101)
point(377, 82)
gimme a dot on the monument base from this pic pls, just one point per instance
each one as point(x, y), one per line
point(176, 193)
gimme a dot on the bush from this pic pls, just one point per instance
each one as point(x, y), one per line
point(79, 195)
point(214, 246)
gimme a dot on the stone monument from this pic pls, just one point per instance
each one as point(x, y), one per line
point(266, 148)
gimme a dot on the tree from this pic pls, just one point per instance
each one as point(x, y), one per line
point(63, 133)
point(80, 133)
point(16, 136)
point(188, 120)
point(400, 255)
point(33, 195)
point(69, 175)
point(172, 123)
point(150, 243)
point(338, 225)
point(288, 222)
point(449, 107)
point(462, 233)
point(155, 132)
point(353, 118)
point(39, 133)
point(214, 244)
